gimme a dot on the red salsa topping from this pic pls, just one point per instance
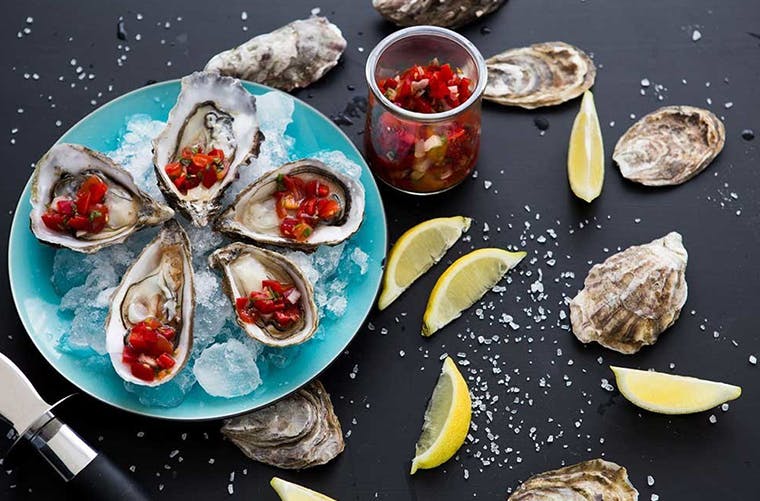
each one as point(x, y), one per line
point(433, 88)
point(83, 213)
point(196, 168)
point(301, 205)
point(275, 304)
point(149, 349)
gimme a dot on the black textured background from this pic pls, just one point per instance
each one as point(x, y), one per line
point(382, 406)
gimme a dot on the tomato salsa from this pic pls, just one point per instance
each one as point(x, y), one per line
point(81, 214)
point(196, 168)
point(275, 304)
point(149, 349)
point(433, 88)
point(302, 204)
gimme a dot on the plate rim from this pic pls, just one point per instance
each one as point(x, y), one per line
point(364, 316)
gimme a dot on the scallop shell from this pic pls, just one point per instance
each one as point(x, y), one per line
point(670, 145)
point(299, 431)
point(592, 480)
point(543, 74)
point(633, 296)
point(290, 57)
point(449, 13)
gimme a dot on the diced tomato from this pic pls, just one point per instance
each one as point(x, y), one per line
point(287, 225)
point(143, 371)
point(265, 306)
point(129, 355)
point(167, 331)
point(98, 217)
point(79, 223)
point(83, 201)
point(209, 176)
point(200, 160)
point(309, 206)
point(173, 170)
point(274, 285)
point(54, 220)
point(302, 231)
point(256, 295)
point(328, 208)
point(165, 361)
point(216, 154)
point(244, 311)
point(286, 318)
point(162, 345)
point(294, 184)
point(65, 207)
point(316, 189)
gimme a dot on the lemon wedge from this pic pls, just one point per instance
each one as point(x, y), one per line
point(585, 156)
point(671, 394)
point(447, 419)
point(288, 491)
point(463, 283)
point(416, 251)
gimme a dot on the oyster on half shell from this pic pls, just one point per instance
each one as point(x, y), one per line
point(543, 74)
point(297, 432)
point(593, 480)
point(449, 13)
point(158, 286)
point(633, 296)
point(670, 145)
point(61, 172)
point(244, 270)
point(212, 112)
point(290, 57)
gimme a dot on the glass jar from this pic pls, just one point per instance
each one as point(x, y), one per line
point(423, 153)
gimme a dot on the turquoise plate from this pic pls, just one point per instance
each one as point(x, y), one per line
point(30, 265)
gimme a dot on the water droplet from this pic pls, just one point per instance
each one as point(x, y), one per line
point(121, 32)
point(485, 30)
point(748, 134)
point(541, 123)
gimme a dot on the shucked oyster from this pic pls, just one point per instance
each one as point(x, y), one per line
point(593, 480)
point(670, 145)
point(301, 204)
point(212, 131)
point(149, 329)
point(83, 200)
point(299, 431)
point(273, 299)
point(290, 57)
point(634, 295)
point(446, 13)
point(544, 74)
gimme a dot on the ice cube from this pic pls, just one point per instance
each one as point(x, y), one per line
point(169, 394)
point(212, 308)
point(228, 369)
point(135, 151)
point(68, 271)
point(87, 331)
point(339, 161)
point(361, 259)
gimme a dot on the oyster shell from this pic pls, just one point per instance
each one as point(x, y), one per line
point(290, 57)
point(212, 111)
point(159, 285)
point(253, 216)
point(543, 74)
point(591, 480)
point(670, 145)
point(243, 269)
point(61, 171)
point(449, 13)
point(299, 431)
point(634, 295)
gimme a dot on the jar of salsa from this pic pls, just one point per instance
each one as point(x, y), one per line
point(422, 132)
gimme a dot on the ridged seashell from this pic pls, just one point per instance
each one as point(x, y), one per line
point(634, 295)
point(670, 145)
point(449, 13)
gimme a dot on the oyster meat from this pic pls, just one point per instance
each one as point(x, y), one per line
point(58, 179)
point(670, 145)
point(212, 131)
point(299, 431)
point(290, 57)
point(448, 13)
point(273, 299)
point(543, 74)
point(149, 329)
point(633, 296)
point(258, 214)
point(592, 480)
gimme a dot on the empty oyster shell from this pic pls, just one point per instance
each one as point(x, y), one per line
point(253, 215)
point(670, 145)
point(60, 173)
point(299, 431)
point(290, 57)
point(158, 285)
point(244, 268)
point(449, 13)
point(591, 480)
point(634, 295)
point(544, 74)
point(212, 112)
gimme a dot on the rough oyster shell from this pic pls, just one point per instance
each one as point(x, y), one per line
point(591, 480)
point(543, 74)
point(129, 207)
point(290, 57)
point(449, 13)
point(252, 215)
point(670, 145)
point(212, 111)
point(159, 284)
point(634, 295)
point(243, 268)
point(299, 431)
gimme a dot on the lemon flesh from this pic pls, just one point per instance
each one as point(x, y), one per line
point(416, 251)
point(464, 283)
point(585, 155)
point(289, 491)
point(447, 420)
point(672, 394)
